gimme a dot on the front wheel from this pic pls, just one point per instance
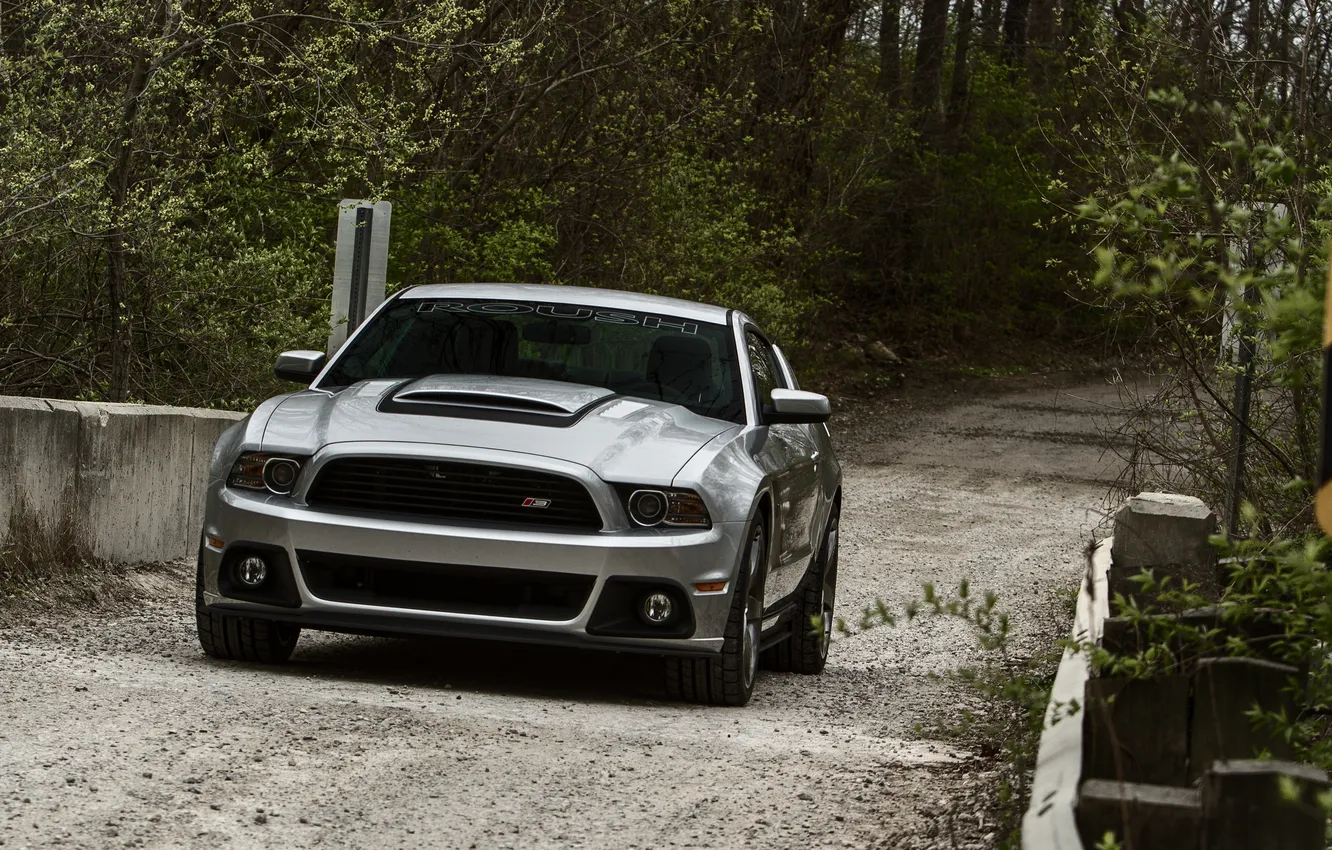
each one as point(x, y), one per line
point(233, 638)
point(728, 679)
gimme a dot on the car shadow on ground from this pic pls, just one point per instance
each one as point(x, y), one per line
point(481, 666)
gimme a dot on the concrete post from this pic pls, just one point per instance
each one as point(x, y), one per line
point(1168, 534)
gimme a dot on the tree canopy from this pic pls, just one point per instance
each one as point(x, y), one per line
point(911, 169)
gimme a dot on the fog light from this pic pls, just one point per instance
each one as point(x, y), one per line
point(658, 607)
point(252, 571)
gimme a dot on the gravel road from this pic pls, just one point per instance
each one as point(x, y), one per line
point(117, 732)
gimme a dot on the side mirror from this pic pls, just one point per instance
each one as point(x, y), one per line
point(796, 407)
point(299, 366)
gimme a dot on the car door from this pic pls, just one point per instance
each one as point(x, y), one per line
point(807, 487)
point(788, 454)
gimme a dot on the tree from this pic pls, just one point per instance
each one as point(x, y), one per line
point(890, 58)
point(927, 78)
point(957, 93)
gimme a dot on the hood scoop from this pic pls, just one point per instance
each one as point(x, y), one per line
point(500, 399)
point(492, 401)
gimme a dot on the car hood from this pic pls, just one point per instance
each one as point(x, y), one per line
point(619, 438)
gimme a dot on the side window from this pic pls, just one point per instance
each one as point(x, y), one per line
point(767, 376)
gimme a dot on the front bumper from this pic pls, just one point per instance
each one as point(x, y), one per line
point(679, 557)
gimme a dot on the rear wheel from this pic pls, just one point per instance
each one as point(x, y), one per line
point(806, 650)
point(728, 679)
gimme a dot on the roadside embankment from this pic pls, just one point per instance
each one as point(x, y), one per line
point(124, 482)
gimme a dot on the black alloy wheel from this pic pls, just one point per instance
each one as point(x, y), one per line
point(728, 679)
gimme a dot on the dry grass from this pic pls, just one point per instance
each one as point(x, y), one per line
point(35, 551)
point(46, 571)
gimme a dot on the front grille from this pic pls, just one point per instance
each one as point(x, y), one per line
point(491, 591)
point(455, 490)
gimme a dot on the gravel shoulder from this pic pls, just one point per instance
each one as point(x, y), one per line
point(117, 731)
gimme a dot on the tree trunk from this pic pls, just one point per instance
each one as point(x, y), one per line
point(957, 91)
point(1207, 84)
point(1076, 29)
point(1129, 19)
point(1015, 31)
point(1041, 23)
point(890, 50)
point(1253, 27)
point(1282, 52)
point(991, 13)
point(1255, 19)
point(927, 80)
point(791, 94)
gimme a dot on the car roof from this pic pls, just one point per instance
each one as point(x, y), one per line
point(581, 296)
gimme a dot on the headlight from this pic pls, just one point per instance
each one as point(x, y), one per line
point(653, 506)
point(265, 472)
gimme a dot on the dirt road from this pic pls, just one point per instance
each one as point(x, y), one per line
point(116, 731)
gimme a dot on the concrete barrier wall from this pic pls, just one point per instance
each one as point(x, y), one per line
point(130, 477)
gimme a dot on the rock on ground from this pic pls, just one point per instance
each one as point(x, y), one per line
point(115, 730)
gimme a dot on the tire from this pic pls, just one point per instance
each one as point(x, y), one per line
point(806, 649)
point(233, 638)
point(728, 678)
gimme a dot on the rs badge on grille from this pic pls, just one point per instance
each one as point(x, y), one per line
point(529, 502)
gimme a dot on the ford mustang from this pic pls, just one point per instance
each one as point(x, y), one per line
point(534, 463)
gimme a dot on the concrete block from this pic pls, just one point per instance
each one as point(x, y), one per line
point(1168, 534)
point(1225, 690)
point(1144, 817)
point(142, 471)
point(1244, 807)
point(134, 488)
point(131, 477)
point(38, 460)
point(1136, 730)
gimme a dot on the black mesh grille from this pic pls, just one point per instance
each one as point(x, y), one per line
point(492, 591)
point(454, 490)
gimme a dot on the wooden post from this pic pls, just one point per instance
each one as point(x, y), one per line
point(1245, 806)
point(1137, 730)
point(1141, 817)
point(1225, 690)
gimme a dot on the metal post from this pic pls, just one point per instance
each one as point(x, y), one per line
point(360, 266)
point(1243, 394)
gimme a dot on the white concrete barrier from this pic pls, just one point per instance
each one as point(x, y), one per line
point(1050, 822)
point(130, 477)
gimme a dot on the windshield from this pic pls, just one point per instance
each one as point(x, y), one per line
point(666, 358)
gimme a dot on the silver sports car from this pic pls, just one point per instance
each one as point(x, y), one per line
point(534, 463)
